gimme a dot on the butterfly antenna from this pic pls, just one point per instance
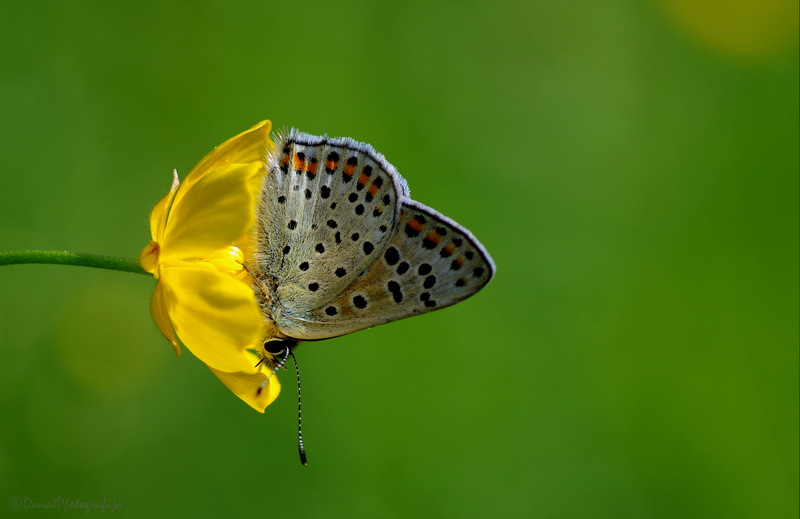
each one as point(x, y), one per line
point(302, 449)
point(278, 365)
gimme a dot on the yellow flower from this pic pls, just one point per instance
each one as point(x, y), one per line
point(199, 238)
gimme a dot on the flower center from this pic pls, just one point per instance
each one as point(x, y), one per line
point(229, 260)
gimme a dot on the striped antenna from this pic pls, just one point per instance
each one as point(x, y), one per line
point(302, 449)
point(278, 365)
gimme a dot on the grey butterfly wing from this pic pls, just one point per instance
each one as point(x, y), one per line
point(328, 207)
point(431, 262)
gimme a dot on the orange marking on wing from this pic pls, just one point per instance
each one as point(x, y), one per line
point(415, 225)
point(312, 167)
point(460, 261)
point(299, 164)
point(285, 160)
point(332, 164)
point(372, 190)
point(449, 249)
point(433, 237)
point(349, 169)
point(362, 179)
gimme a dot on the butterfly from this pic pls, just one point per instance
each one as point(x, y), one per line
point(340, 246)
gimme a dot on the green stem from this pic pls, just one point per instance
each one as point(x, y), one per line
point(71, 258)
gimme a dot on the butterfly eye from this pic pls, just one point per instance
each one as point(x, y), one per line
point(276, 346)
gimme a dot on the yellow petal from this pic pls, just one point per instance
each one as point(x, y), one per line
point(257, 182)
point(158, 216)
point(249, 146)
point(158, 309)
point(214, 315)
point(211, 214)
point(148, 258)
point(245, 386)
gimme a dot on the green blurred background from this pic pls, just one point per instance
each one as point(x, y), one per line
point(631, 165)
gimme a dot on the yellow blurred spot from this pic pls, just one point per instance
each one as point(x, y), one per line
point(104, 338)
point(755, 30)
point(73, 432)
